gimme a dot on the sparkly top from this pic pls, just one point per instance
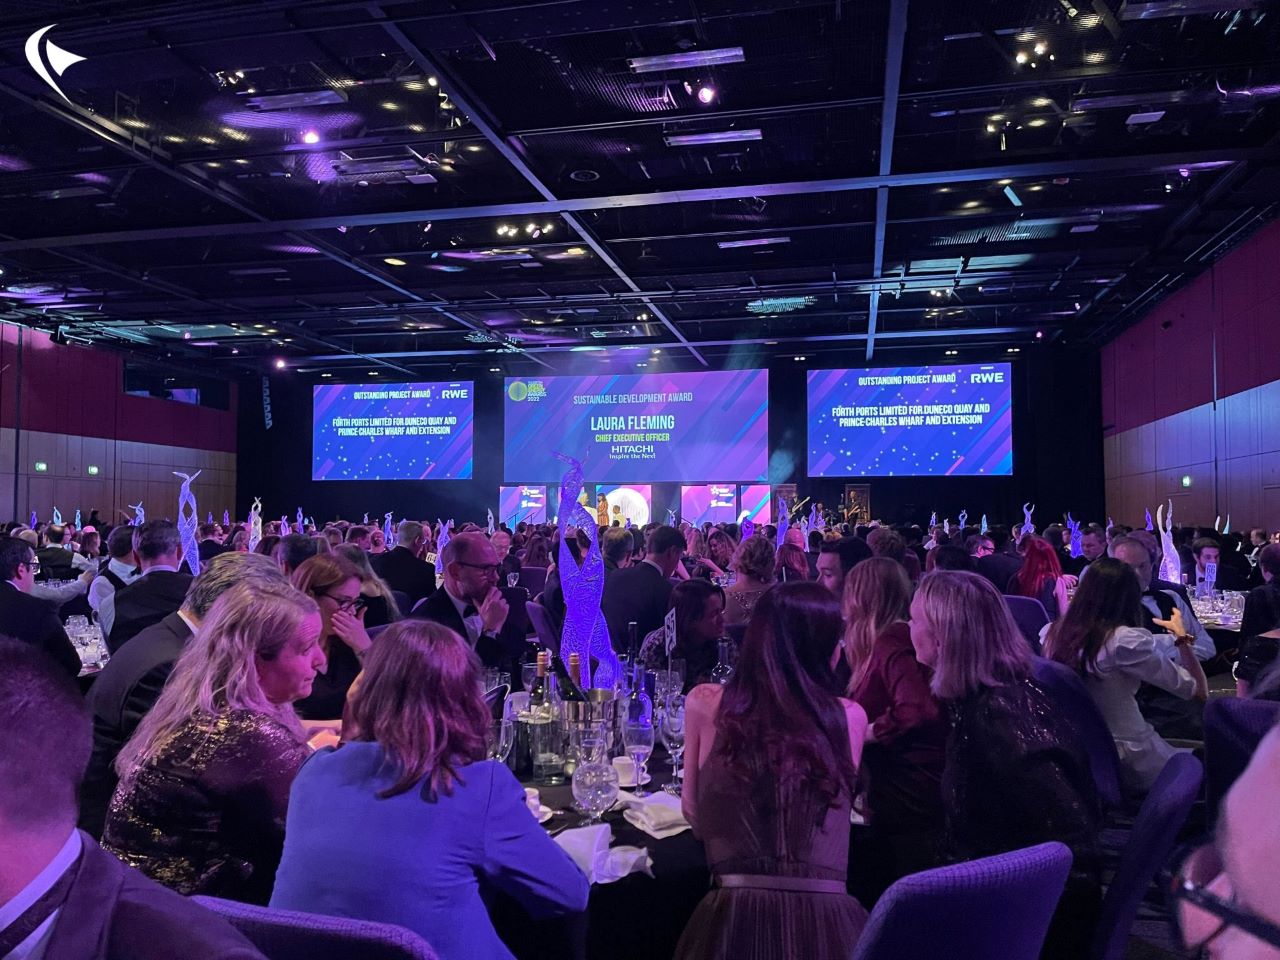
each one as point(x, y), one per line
point(205, 815)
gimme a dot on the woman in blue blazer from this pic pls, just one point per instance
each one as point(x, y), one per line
point(407, 822)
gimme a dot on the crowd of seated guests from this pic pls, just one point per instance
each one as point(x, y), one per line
point(878, 671)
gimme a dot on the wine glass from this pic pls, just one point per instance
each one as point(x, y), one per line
point(637, 738)
point(513, 579)
point(673, 739)
point(501, 736)
point(528, 672)
point(595, 787)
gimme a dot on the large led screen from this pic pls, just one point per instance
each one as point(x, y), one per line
point(631, 502)
point(392, 431)
point(709, 503)
point(944, 421)
point(757, 501)
point(522, 504)
point(648, 428)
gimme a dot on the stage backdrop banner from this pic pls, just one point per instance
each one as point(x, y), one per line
point(757, 500)
point(709, 503)
point(653, 427)
point(527, 503)
point(911, 421)
point(392, 431)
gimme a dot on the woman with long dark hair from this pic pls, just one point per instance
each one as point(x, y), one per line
point(773, 758)
point(1040, 577)
point(699, 606)
point(1100, 637)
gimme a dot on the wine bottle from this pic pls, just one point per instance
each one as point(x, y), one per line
point(633, 646)
point(639, 703)
point(539, 692)
point(570, 691)
point(723, 669)
point(575, 669)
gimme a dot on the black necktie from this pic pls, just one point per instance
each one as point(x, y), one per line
point(470, 611)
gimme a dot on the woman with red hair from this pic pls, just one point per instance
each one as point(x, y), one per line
point(1041, 577)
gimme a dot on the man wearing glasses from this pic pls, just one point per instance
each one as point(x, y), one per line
point(27, 618)
point(1227, 894)
point(471, 604)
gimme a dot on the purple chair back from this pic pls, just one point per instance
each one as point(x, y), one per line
point(1069, 690)
point(1232, 730)
point(1030, 616)
point(542, 626)
point(533, 579)
point(288, 935)
point(374, 631)
point(996, 908)
point(1155, 830)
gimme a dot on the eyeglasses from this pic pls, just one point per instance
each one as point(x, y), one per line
point(1197, 910)
point(32, 564)
point(354, 605)
point(486, 569)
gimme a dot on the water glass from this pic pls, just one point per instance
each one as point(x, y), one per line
point(528, 673)
point(637, 738)
point(501, 736)
point(673, 739)
point(595, 788)
point(493, 677)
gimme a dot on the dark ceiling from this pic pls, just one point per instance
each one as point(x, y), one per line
point(488, 186)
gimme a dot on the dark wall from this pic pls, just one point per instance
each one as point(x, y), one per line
point(1057, 454)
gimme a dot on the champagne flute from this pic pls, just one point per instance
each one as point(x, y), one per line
point(673, 740)
point(637, 737)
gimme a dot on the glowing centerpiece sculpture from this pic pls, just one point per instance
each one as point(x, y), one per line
point(585, 632)
point(255, 524)
point(188, 521)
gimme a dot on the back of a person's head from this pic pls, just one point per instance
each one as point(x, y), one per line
point(419, 698)
point(616, 544)
point(321, 573)
point(225, 571)
point(45, 744)
point(883, 542)
point(1109, 597)
point(975, 542)
point(978, 644)
point(13, 553)
point(790, 564)
point(850, 550)
point(409, 533)
point(538, 553)
point(55, 533)
point(358, 559)
point(665, 538)
point(815, 541)
point(780, 713)
point(156, 539)
point(295, 549)
point(250, 621)
point(357, 533)
point(207, 530)
point(952, 557)
point(1269, 560)
point(689, 601)
point(755, 558)
point(1040, 565)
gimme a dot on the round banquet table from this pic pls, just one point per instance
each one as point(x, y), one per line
point(635, 918)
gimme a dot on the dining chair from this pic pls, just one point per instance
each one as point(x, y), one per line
point(1030, 616)
point(1232, 730)
point(542, 626)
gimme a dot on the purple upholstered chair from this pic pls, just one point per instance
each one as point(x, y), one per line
point(1069, 690)
point(542, 626)
point(1232, 730)
point(1155, 830)
point(533, 579)
point(997, 908)
point(288, 935)
point(1030, 616)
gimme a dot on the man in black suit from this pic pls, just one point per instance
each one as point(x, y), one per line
point(130, 683)
point(403, 568)
point(210, 542)
point(471, 604)
point(27, 618)
point(64, 896)
point(1207, 551)
point(997, 567)
point(158, 592)
point(54, 557)
point(642, 592)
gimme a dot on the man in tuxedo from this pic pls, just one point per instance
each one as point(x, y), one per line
point(24, 617)
point(120, 570)
point(642, 592)
point(403, 568)
point(1159, 603)
point(1206, 551)
point(210, 541)
point(54, 557)
point(61, 895)
point(295, 550)
point(1093, 543)
point(158, 592)
point(989, 562)
point(129, 685)
point(471, 604)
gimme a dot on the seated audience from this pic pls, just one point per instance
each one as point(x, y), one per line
point(752, 565)
point(377, 541)
point(1017, 772)
point(131, 682)
point(1260, 628)
point(379, 603)
point(1206, 551)
point(772, 760)
point(204, 780)
point(615, 549)
point(790, 565)
point(884, 542)
point(403, 567)
point(720, 548)
point(61, 896)
point(992, 562)
point(1159, 604)
point(333, 582)
point(1040, 577)
point(641, 592)
point(361, 536)
point(836, 558)
point(537, 553)
point(294, 550)
point(949, 556)
point(25, 617)
point(699, 606)
point(209, 543)
point(1099, 637)
point(1093, 543)
point(55, 556)
point(407, 822)
point(267, 545)
point(160, 589)
point(903, 758)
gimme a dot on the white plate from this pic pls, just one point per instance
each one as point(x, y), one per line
point(630, 784)
point(545, 813)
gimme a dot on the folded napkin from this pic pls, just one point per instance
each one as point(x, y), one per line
point(657, 814)
point(589, 848)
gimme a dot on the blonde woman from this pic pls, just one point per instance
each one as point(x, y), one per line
point(204, 781)
point(753, 563)
point(407, 821)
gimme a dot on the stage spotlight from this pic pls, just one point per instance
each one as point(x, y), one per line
point(280, 363)
point(1020, 57)
point(310, 136)
point(1039, 334)
point(706, 94)
point(1041, 48)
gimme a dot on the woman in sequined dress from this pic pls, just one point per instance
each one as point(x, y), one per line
point(204, 781)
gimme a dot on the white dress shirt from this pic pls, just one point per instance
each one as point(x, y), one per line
point(1203, 646)
point(33, 947)
point(107, 604)
point(474, 625)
